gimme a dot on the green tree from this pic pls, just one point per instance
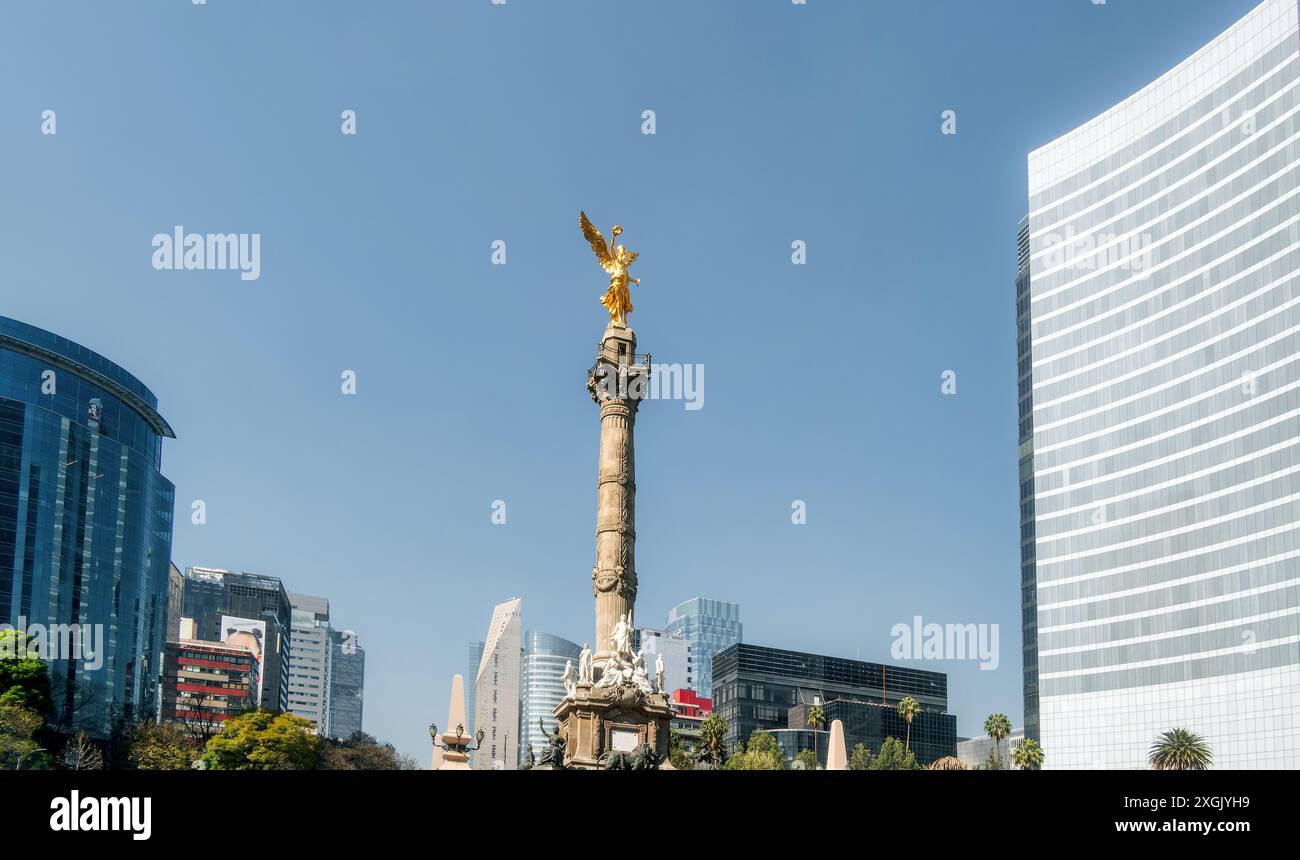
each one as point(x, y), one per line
point(860, 758)
point(161, 746)
point(24, 677)
point(761, 753)
point(806, 760)
point(815, 720)
point(361, 752)
point(908, 709)
point(260, 740)
point(997, 727)
point(678, 755)
point(712, 747)
point(894, 756)
point(1028, 755)
point(18, 745)
point(1179, 749)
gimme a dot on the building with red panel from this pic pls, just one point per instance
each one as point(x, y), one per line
point(689, 710)
point(691, 704)
point(207, 683)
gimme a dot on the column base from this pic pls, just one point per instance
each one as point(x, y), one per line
point(615, 728)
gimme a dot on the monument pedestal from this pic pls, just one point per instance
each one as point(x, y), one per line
point(597, 721)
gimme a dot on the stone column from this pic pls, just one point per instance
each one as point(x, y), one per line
point(616, 383)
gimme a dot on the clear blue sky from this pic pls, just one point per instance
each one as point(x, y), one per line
point(479, 122)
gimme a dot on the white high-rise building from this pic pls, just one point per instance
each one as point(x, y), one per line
point(309, 661)
point(496, 691)
point(1158, 309)
point(679, 665)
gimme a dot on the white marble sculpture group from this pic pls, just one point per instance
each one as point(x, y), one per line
point(623, 667)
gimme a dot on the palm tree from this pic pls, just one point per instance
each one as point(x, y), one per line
point(997, 726)
point(1180, 749)
point(1028, 755)
point(712, 746)
point(816, 719)
point(908, 709)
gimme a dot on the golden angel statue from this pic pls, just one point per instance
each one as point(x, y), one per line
point(617, 300)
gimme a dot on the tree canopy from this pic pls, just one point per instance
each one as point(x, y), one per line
point(894, 756)
point(760, 753)
point(24, 677)
point(361, 752)
point(259, 740)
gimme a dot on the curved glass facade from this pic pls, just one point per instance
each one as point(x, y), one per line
point(1161, 421)
point(540, 685)
point(85, 522)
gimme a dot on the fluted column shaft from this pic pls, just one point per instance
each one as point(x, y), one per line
point(614, 573)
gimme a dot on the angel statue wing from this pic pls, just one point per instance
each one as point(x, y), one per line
point(596, 240)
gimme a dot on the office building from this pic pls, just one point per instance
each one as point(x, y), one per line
point(496, 691)
point(975, 753)
point(707, 626)
point(541, 686)
point(679, 667)
point(689, 711)
point(347, 683)
point(933, 733)
point(310, 661)
point(206, 683)
point(756, 687)
point(1158, 309)
point(85, 522)
point(259, 606)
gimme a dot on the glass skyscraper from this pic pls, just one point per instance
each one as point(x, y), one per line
point(85, 521)
point(540, 685)
point(347, 683)
point(1159, 350)
point(708, 626)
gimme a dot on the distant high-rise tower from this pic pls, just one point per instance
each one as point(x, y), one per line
point(347, 683)
point(496, 691)
point(175, 595)
point(540, 685)
point(708, 626)
point(309, 667)
point(1159, 351)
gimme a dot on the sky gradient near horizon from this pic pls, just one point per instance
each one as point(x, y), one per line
point(476, 122)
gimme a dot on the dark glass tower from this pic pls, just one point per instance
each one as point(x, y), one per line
point(85, 521)
point(756, 688)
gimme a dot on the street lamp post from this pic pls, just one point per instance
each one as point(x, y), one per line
point(455, 747)
point(18, 765)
